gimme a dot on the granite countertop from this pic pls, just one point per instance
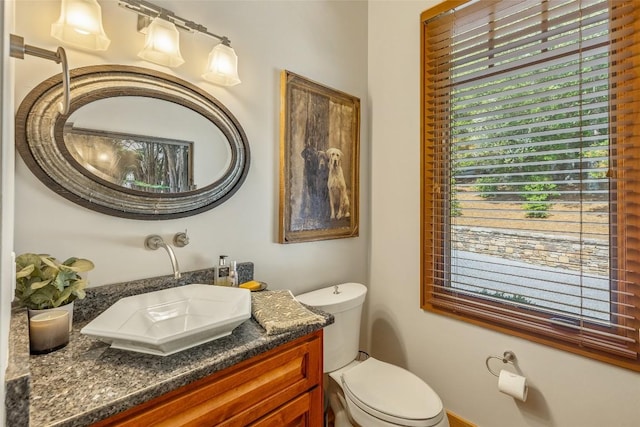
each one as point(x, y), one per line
point(88, 381)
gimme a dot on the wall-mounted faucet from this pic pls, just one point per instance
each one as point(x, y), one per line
point(154, 242)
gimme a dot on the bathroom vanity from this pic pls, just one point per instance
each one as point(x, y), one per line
point(246, 378)
point(282, 387)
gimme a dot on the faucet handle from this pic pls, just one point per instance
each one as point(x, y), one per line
point(180, 240)
point(153, 242)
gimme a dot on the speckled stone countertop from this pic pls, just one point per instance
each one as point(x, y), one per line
point(88, 381)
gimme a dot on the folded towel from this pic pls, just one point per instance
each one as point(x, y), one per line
point(278, 311)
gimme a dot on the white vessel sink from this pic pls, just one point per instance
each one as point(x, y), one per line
point(165, 322)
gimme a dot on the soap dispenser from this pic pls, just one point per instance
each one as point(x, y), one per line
point(233, 274)
point(221, 277)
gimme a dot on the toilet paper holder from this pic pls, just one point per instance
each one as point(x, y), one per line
point(507, 357)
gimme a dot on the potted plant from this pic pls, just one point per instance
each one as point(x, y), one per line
point(42, 282)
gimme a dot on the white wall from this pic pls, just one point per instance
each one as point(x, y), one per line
point(568, 390)
point(6, 191)
point(324, 41)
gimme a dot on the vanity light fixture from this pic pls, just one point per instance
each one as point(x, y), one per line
point(222, 66)
point(18, 49)
point(162, 44)
point(80, 24)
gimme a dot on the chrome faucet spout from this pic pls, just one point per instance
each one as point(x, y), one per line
point(154, 242)
point(174, 261)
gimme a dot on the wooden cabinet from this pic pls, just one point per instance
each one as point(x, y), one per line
point(281, 387)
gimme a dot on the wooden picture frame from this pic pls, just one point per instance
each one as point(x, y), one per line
point(319, 161)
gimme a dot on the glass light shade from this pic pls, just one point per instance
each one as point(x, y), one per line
point(80, 24)
point(162, 44)
point(222, 66)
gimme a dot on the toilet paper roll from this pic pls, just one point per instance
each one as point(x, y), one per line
point(513, 384)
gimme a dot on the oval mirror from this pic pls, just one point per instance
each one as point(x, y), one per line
point(136, 143)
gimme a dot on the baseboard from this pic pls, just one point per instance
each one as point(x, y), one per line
point(456, 421)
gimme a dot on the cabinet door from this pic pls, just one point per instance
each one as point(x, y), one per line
point(300, 412)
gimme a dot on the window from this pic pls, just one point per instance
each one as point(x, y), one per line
point(531, 170)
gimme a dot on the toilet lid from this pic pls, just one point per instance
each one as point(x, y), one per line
point(392, 393)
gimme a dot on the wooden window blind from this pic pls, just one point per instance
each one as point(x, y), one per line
point(531, 171)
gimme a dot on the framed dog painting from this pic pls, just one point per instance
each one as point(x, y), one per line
point(319, 161)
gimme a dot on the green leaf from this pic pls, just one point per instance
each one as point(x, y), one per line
point(43, 298)
point(49, 261)
point(79, 265)
point(26, 271)
point(26, 259)
point(38, 285)
point(80, 293)
point(63, 297)
point(69, 261)
point(64, 278)
point(48, 272)
point(80, 284)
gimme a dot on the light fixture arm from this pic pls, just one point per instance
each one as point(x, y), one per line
point(151, 11)
point(18, 49)
point(190, 25)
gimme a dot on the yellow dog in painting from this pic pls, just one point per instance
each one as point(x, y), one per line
point(338, 195)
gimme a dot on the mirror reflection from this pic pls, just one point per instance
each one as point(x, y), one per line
point(138, 162)
point(147, 144)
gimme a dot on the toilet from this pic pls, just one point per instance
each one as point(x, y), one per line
point(367, 393)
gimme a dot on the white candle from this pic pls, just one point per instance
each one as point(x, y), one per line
point(48, 331)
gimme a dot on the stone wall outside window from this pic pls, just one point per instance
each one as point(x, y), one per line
point(537, 248)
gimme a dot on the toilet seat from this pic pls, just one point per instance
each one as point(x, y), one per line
point(392, 394)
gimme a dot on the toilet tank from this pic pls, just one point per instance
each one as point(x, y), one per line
point(342, 338)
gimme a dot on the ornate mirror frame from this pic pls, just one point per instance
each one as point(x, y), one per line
point(40, 142)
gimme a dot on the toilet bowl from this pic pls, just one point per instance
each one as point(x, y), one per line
point(368, 393)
